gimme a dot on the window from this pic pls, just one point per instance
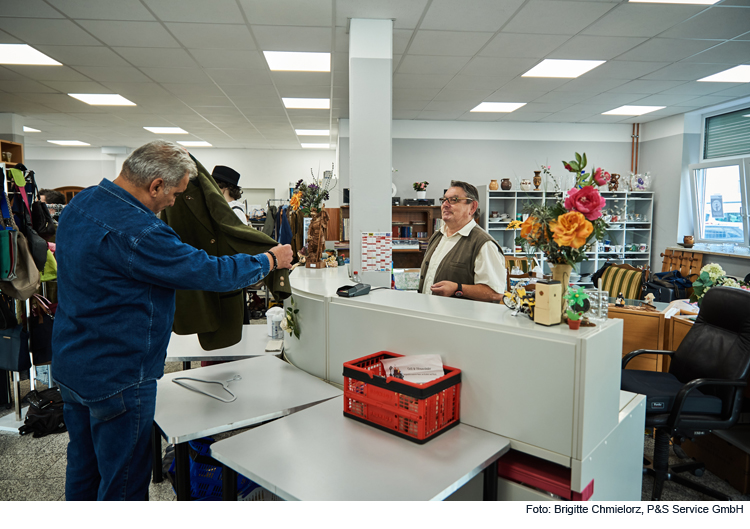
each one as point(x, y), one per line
point(727, 135)
point(720, 189)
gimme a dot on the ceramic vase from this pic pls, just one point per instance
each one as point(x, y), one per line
point(316, 238)
point(505, 184)
point(537, 180)
point(493, 185)
point(421, 194)
point(574, 324)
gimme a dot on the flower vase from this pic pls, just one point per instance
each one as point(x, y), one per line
point(505, 184)
point(537, 180)
point(493, 185)
point(421, 195)
point(561, 273)
point(316, 238)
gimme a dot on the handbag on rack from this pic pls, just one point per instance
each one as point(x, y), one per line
point(37, 245)
point(40, 328)
point(41, 220)
point(14, 349)
point(26, 280)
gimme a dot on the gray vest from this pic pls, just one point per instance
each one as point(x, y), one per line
point(458, 264)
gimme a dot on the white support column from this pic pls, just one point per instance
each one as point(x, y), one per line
point(11, 127)
point(370, 113)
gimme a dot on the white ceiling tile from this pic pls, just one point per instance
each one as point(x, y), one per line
point(686, 71)
point(591, 86)
point(560, 17)
point(177, 75)
point(322, 92)
point(115, 74)
point(469, 15)
point(212, 36)
point(83, 55)
point(46, 31)
point(289, 12)
point(427, 64)
point(462, 95)
point(255, 90)
point(627, 70)
point(529, 116)
point(341, 39)
point(659, 49)
point(406, 14)
point(477, 82)
point(240, 59)
point(567, 98)
point(697, 89)
point(78, 87)
point(641, 20)
point(458, 43)
point(533, 84)
point(292, 38)
point(5, 38)
point(440, 114)
point(48, 73)
point(409, 104)
point(28, 8)
point(126, 89)
point(522, 45)
point(62, 103)
point(228, 76)
point(180, 89)
point(498, 67)
point(215, 11)
point(547, 108)
point(736, 91)
point(613, 99)
point(143, 34)
point(407, 94)
point(663, 100)
point(450, 106)
point(22, 86)
point(586, 47)
point(157, 58)
point(514, 96)
point(479, 116)
point(714, 23)
point(98, 10)
point(642, 86)
point(405, 114)
point(705, 101)
point(732, 52)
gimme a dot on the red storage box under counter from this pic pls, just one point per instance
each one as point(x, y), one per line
point(417, 412)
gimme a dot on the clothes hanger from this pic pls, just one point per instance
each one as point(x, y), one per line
point(179, 382)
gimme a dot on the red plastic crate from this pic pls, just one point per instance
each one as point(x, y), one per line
point(417, 412)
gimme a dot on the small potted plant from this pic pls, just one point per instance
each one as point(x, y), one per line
point(421, 189)
point(578, 303)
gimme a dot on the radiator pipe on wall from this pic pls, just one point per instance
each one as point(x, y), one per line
point(634, 147)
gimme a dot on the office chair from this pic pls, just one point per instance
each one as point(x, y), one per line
point(703, 389)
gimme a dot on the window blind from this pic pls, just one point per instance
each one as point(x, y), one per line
point(727, 135)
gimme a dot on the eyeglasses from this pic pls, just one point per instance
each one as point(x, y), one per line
point(454, 200)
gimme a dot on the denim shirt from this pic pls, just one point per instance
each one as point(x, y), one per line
point(119, 266)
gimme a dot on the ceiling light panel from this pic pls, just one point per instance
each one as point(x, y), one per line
point(69, 143)
point(562, 68)
point(301, 102)
point(631, 110)
point(497, 107)
point(104, 100)
point(195, 144)
point(738, 74)
point(29, 129)
point(166, 130)
point(693, 2)
point(312, 132)
point(24, 54)
point(292, 61)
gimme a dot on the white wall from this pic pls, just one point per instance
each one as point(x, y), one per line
point(58, 167)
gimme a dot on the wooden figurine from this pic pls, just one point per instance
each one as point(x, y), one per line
point(614, 181)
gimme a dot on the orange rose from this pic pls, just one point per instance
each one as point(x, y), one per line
point(531, 229)
point(571, 229)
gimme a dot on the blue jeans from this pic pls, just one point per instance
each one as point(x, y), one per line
point(109, 453)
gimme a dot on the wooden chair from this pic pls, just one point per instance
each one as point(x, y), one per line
point(688, 263)
point(624, 278)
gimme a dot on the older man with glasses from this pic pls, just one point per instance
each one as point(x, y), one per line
point(462, 260)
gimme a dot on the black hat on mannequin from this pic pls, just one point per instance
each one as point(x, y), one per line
point(226, 174)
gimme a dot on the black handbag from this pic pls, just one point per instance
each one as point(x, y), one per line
point(14, 349)
point(40, 327)
point(41, 220)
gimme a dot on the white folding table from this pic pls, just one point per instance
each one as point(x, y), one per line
point(269, 388)
point(187, 348)
point(318, 454)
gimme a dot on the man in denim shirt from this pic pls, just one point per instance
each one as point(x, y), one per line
point(118, 268)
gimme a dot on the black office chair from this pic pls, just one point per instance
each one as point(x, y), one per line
point(715, 357)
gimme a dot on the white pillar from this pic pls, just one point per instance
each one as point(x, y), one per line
point(11, 127)
point(370, 113)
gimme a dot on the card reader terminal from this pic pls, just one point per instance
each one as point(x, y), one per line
point(350, 291)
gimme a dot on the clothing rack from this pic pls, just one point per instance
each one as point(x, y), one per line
point(7, 424)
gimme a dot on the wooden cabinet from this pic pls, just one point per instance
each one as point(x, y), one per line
point(15, 150)
point(420, 220)
point(641, 330)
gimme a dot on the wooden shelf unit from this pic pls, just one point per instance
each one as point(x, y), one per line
point(422, 218)
point(16, 150)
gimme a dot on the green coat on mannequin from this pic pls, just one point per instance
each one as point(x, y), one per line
point(202, 218)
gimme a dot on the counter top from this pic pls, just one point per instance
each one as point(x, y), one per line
point(324, 283)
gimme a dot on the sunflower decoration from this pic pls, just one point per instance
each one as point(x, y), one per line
point(514, 225)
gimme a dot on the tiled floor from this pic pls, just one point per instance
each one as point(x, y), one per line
point(34, 469)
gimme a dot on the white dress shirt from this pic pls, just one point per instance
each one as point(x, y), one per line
point(236, 206)
point(489, 266)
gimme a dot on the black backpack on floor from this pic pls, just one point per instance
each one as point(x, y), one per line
point(45, 413)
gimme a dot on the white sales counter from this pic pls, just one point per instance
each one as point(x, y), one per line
point(554, 392)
